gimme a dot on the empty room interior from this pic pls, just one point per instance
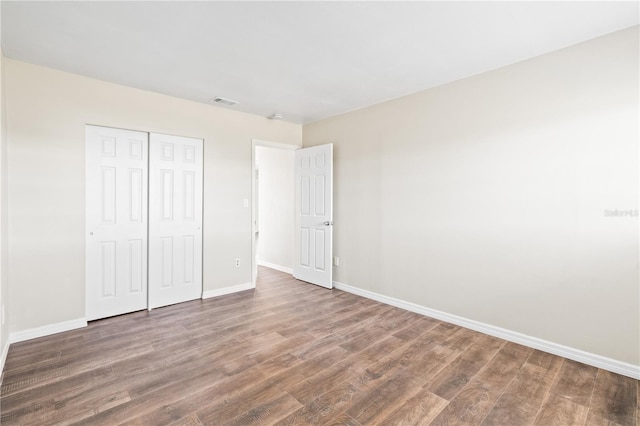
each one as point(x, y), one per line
point(320, 213)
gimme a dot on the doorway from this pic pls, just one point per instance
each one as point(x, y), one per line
point(308, 254)
point(273, 210)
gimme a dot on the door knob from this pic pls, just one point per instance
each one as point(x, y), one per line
point(328, 223)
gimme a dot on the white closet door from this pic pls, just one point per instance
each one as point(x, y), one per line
point(116, 221)
point(175, 219)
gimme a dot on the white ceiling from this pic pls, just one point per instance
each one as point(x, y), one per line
point(306, 60)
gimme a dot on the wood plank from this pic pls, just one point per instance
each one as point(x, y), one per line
point(268, 412)
point(262, 391)
point(325, 380)
point(383, 399)
point(189, 420)
point(559, 411)
point(478, 397)
point(159, 397)
point(461, 340)
point(158, 410)
point(323, 408)
point(383, 347)
point(62, 368)
point(522, 399)
point(456, 375)
point(575, 382)
point(237, 365)
point(594, 420)
point(50, 393)
point(543, 359)
point(360, 338)
point(423, 324)
point(421, 409)
point(278, 364)
point(431, 363)
point(341, 420)
point(369, 375)
point(285, 346)
point(614, 398)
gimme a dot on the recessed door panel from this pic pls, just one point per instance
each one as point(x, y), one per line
point(107, 269)
point(189, 154)
point(108, 146)
point(108, 192)
point(305, 192)
point(166, 191)
point(137, 265)
point(166, 151)
point(135, 195)
point(166, 262)
point(305, 246)
point(320, 259)
point(189, 179)
point(136, 149)
point(320, 196)
point(189, 260)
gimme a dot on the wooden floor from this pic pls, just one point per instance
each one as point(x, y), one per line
point(293, 353)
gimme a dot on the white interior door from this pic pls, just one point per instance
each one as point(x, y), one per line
point(116, 221)
point(314, 215)
point(175, 219)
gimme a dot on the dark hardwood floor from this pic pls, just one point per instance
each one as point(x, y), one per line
point(293, 353)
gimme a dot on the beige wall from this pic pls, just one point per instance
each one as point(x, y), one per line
point(47, 113)
point(4, 288)
point(276, 210)
point(486, 197)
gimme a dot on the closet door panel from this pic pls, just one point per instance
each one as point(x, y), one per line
point(175, 219)
point(116, 221)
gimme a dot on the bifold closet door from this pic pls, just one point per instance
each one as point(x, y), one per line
point(175, 219)
point(116, 221)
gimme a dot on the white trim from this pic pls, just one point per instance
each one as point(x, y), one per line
point(46, 330)
point(609, 364)
point(276, 267)
point(227, 290)
point(288, 146)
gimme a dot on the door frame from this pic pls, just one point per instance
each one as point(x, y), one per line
point(254, 207)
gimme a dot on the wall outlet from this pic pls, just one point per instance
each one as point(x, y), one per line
point(336, 261)
point(237, 263)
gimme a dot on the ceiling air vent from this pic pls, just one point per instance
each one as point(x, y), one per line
point(223, 101)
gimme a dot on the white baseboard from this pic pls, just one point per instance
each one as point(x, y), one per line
point(588, 358)
point(33, 333)
point(276, 267)
point(227, 290)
